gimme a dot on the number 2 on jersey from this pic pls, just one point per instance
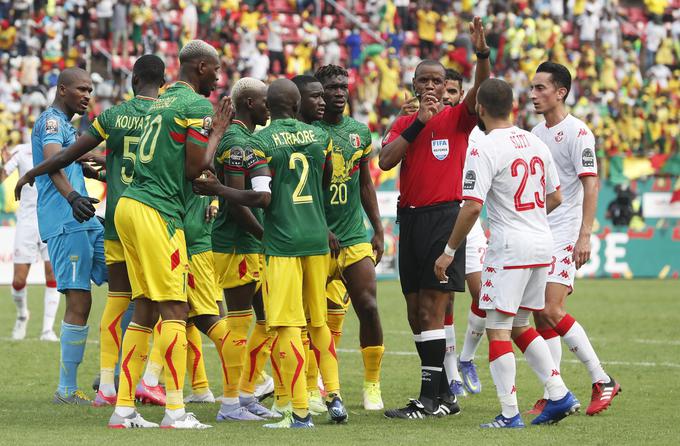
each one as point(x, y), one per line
point(539, 198)
point(146, 153)
point(130, 144)
point(339, 192)
point(298, 198)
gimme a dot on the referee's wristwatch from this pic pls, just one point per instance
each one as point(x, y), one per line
point(483, 54)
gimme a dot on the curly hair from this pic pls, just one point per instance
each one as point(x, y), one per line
point(327, 71)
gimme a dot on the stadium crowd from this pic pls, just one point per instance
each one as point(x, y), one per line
point(624, 55)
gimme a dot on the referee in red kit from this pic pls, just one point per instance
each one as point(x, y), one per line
point(431, 146)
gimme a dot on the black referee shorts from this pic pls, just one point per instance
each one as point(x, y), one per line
point(423, 234)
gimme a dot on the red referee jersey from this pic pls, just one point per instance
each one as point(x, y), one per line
point(432, 170)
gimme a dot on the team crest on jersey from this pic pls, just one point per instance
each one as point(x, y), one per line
point(470, 180)
point(51, 126)
point(355, 140)
point(440, 148)
point(560, 136)
point(588, 158)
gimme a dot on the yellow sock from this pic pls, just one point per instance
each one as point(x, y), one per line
point(217, 333)
point(233, 348)
point(258, 350)
point(195, 364)
point(281, 395)
point(174, 351)
point(336, 318)
point(312, 369)
point(135, 351)
point(110, 341)
point(324, 349)
point(372, 361)
point(293, 367)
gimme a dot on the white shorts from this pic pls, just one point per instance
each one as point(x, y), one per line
point(508, 290)
point(28, 248)
point(475, 248)
point(562, 269)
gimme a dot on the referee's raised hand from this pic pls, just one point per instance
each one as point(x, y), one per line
point(428, 107)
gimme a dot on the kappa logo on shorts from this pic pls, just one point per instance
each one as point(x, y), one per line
point(564, 274)
point(488, 284)
point(490, 269)
point(566, 260)
point(470, 180)
point(51, 126)
point(588, 158)
point(486, 298)
point(569, 248)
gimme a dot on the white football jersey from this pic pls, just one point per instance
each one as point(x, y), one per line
point(572, 146)
point(22, 159)
point(512, 171)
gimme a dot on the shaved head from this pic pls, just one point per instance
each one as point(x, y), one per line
point(70, 76)
point(283, 96)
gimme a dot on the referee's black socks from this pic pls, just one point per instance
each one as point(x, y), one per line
point(431, 346)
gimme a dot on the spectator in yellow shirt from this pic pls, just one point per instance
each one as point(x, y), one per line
point(427, 30)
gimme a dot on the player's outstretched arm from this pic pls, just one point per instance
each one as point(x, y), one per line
point(467, 217)
point(553, 200)
point(58, 161)
point(208, 184)
point(369, 202)
point(483, 68)
point(243, 215)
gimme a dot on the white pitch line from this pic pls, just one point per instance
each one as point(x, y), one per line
point(411, 353)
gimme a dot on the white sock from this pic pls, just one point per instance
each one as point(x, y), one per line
point(124, 411)
point(555, 347)
point(503, 370)
point(175, 413)
point(21, 301)
point(107, 384)
point(473, 336)
point(450, 357)
point(538, 356)
point(152, 373)
point(578, 342)
point(51, 306)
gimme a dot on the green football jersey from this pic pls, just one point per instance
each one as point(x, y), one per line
point(351, 147)
point(178, 116)
point(196, 230)
point(121, 127)
point(294, 221)
point(231, 160)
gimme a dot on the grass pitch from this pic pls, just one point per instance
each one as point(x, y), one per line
point(633, 326)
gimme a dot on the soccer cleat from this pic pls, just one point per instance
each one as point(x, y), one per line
point(468, 372)
point(554, 411)
point(372, 396)
point(316, 403)
point(150, 395)
point(134, 420)
point(19, 330)
point(206, 397)
point(457, 388)
point(414, 410)
point(49, 336)
point(603, 394)
point(336, 409)
point(102, 400)
point(302, 423)
point(253, 406)
point(236, 412)
point(447, 407)
point(282, 410)
point(538, 407)
point(285, 422)
point(265, 388)
point(77, 398)
point(504, 423)
point(186, 421)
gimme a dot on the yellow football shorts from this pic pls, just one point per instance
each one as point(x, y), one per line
point(347, 257)
point(113, 252)
point(235, 270)
point(202, 289)
point(155, 254)
point(337, 293)
point(293, 287)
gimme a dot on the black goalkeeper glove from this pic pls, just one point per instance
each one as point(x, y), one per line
point(82, 206)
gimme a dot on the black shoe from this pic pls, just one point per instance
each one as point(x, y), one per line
point(413, 410)
point(448, 405)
